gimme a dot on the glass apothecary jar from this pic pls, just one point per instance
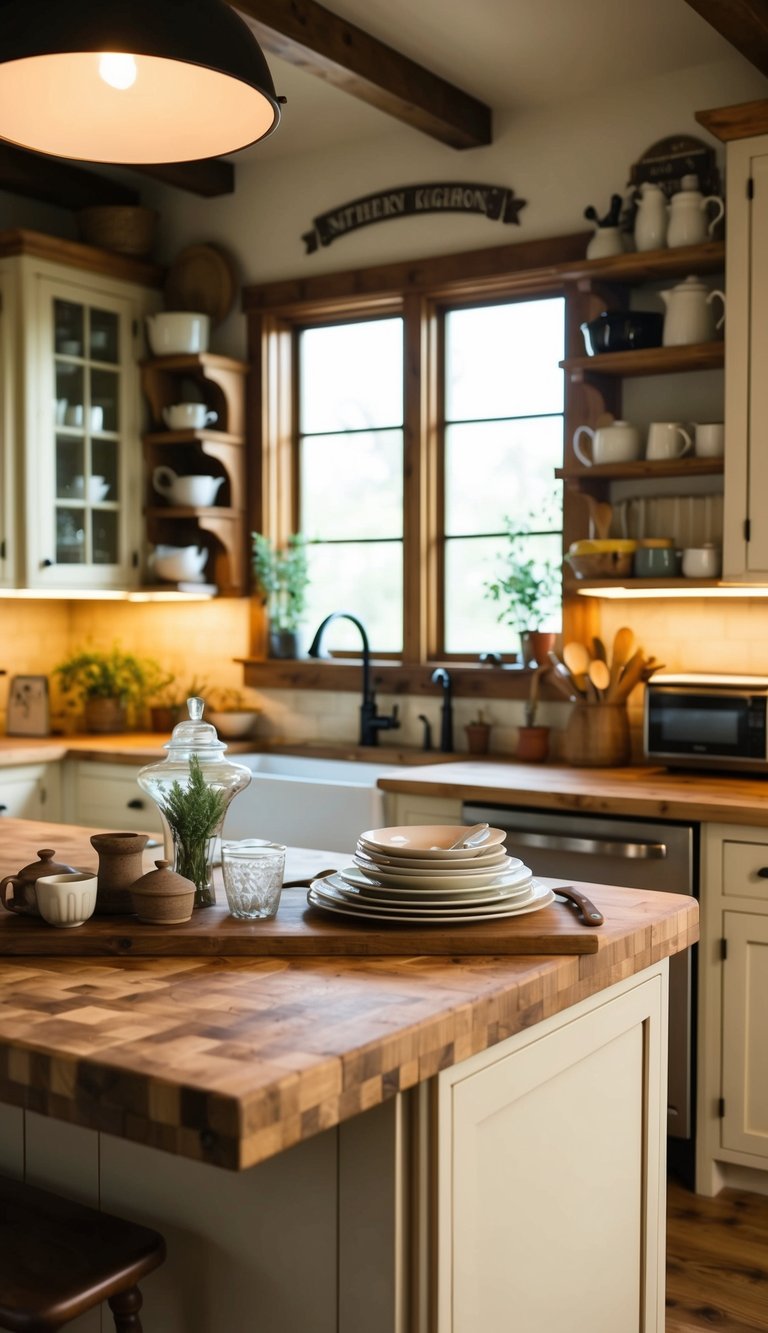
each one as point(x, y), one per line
point(193, 788)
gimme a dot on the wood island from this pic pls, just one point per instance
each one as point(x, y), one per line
point(412, 1141)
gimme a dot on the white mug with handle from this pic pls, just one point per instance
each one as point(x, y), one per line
point(666, 440)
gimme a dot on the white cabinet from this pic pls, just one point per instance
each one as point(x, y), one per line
point(745, 547)
point(30, 791)
point(108, 796)
point(410, 809)
point(70, 417)
point(732, 1098)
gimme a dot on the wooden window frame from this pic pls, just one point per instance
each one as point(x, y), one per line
point(419, 293)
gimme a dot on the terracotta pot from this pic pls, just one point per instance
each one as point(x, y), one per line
point(478, 737)
point(597, 736)
point(533, 744)
point(104, 715)
point(164, 718)
point(535, 645)
point(120, 865)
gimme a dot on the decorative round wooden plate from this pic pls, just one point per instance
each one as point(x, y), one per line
point(203, 278)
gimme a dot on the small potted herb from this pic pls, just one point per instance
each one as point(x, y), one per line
point(280, 579)
point(528, 589)
point(533, 741)
point(109, 685)
point(478, 734)
point(166, 702)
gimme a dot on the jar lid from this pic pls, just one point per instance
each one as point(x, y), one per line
point(162, 880)
point(194, 735)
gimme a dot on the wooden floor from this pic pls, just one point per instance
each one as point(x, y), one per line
point(717, 1262)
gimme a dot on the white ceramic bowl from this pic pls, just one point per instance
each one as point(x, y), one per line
point(174, 331)
point(66, 899)
point(232, 725)
point(432, 841)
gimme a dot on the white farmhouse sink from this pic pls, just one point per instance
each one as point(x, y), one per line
point(307, 802)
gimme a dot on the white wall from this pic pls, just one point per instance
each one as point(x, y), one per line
point(559, 158)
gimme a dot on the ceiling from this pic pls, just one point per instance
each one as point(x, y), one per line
point(511, 54)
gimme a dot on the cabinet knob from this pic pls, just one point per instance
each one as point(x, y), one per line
point(3, 809)
point(136, 803)
point(46, 564)
point(762, 873)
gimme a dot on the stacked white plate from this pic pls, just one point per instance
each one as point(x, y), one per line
point(413, 875)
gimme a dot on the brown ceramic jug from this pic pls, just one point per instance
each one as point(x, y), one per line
point(120, 865)
point(17, 892)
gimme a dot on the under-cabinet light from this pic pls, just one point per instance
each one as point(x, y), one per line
point(102, 595)
point(617, 592)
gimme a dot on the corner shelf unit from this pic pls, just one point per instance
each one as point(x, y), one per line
point(219, 527)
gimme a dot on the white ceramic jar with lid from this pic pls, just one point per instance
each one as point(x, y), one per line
point(651, 219)
point(688, 222)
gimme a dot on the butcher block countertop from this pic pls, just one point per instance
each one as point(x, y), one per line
point(230, 1060)
point(652, 793)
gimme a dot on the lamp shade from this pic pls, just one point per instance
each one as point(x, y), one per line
point(133, 81)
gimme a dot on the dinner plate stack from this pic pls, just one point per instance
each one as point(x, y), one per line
point(414, 875)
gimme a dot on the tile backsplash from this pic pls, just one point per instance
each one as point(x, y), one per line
point(203, 640)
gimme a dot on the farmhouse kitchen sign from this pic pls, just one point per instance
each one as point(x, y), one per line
point(497, 202)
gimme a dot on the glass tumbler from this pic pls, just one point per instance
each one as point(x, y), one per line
point(253, 877)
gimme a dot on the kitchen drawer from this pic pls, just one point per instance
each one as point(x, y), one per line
point(108, 796)
point(745, 870)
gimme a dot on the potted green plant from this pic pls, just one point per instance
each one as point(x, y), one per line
point(108, 685)
point(194, 815)
point(167, 699)
point(528, 590)
point(281, 578)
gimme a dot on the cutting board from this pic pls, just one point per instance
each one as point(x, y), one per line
point(300, 930)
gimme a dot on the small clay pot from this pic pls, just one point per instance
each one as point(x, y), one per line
point(532, 744)
point(22, 885)
point(120, 865)
point(478, 737)
point(162, 896)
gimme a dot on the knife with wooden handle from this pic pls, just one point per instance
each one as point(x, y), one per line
point(588, 913)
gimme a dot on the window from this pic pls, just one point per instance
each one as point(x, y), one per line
point(350, 482)
point(503, 441)
point(403, 415)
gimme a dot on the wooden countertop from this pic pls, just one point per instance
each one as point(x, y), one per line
point(652, 793)
point(231, 1060)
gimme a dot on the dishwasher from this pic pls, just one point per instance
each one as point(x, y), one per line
point(635, 854)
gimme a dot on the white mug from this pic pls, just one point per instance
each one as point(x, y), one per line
point(68, 899)
point(188, 416)
point(667, 439)
point(73, 415)
point(98, 488)
point(700, 562)
point(710, 440)
point(96, 418)
point(617, 443)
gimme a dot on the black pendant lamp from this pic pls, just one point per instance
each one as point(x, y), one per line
point(133, 81)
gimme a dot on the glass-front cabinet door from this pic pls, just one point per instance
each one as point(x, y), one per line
point(84, 457)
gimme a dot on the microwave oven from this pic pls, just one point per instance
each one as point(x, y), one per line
point(707, 721)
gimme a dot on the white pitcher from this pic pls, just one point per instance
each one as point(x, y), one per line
point(199, 491)
point(688, 224)
point(651, 220)
point(689, 316)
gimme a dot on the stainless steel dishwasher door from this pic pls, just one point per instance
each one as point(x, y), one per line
point(633, 854)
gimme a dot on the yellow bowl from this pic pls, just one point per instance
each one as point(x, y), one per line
point(601, 565)
point(604, 546)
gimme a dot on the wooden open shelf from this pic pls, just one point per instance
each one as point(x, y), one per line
point(641, 470)
point(166, 437)
point(648, 265)
point(646, 361)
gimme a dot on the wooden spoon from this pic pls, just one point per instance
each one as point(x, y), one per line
point(623, 642)
point(600, 514)
point(576, 658)
point(629, 678)
point(598, 650)
point(600, 677)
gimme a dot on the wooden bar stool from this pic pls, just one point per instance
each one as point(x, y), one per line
point(59, 1259)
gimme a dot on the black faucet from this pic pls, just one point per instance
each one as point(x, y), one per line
point(370, 722)
point(427, 742)
point(442, 677)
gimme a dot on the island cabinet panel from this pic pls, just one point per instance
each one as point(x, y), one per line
point(745, 1004)
point(30, 791)
point(550, 1197)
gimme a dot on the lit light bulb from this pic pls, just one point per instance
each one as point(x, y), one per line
point(117, 69)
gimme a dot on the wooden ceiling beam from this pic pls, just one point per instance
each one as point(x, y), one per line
point(305, 34)
point(209, 177)
point(743, 23)
point(54, 181)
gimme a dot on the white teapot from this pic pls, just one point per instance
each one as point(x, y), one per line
point(688, 224)
point(689, 315)
point(617, 443)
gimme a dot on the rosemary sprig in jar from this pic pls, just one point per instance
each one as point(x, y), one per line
point(194, 814)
